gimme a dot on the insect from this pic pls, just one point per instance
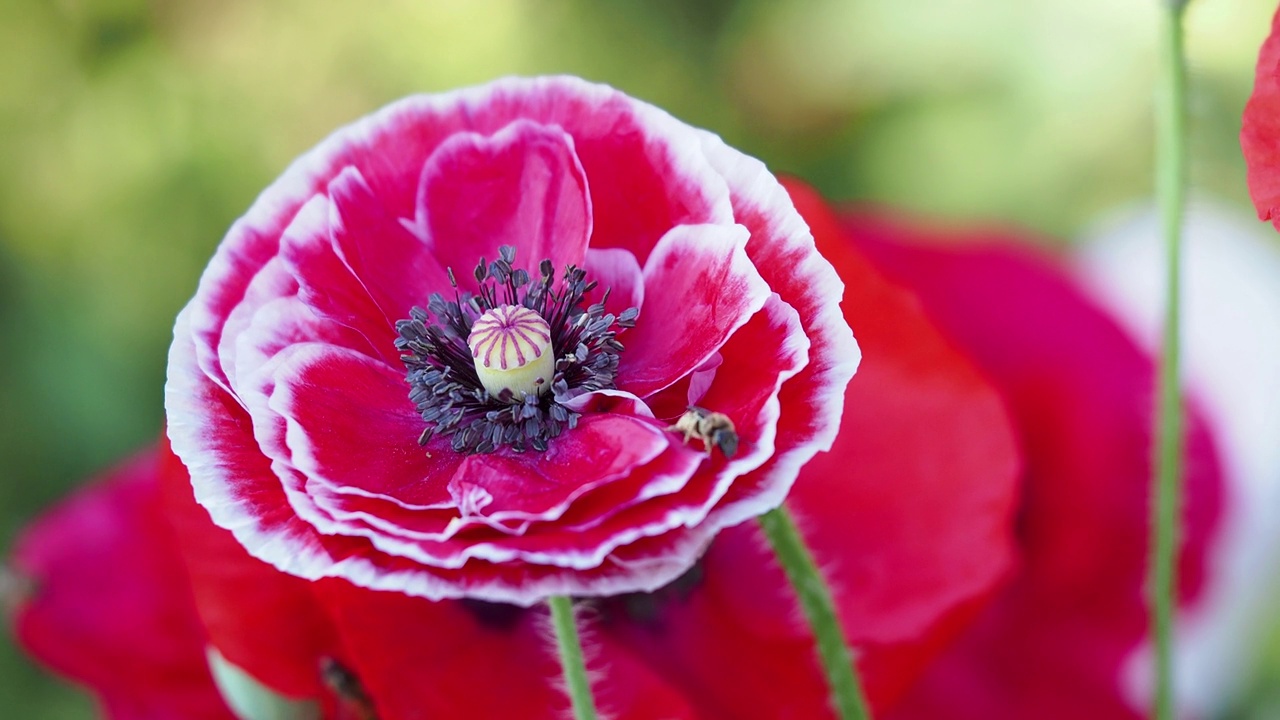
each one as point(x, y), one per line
point(712, 428)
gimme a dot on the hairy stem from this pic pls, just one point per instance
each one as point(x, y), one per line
point(571, 658)
point(815, 599)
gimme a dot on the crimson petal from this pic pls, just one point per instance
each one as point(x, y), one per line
point(456, 659)
point(1057, 641)
point(394, 266)
point(109, 606)
point(350, 424)
point(325, 283)
point(262, 620)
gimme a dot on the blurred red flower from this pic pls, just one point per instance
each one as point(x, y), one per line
point(1062, 640)
point(435, 275)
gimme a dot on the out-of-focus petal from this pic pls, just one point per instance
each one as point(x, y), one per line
point(468, 659)
point(1054, 643)
point(1260, 133)
point(108, 604)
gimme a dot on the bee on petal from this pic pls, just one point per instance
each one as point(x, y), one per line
point(712, 428)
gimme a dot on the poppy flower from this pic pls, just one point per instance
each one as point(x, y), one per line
point(448, 352)
point(911, 515)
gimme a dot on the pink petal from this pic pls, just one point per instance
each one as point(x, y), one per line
point(395, 267)
point(647, 170)
point(326, 284)
point(277, 325)
point(271, 283)
point(388, 147)
point(601, 450)
point(700, 278)
point(1231, 359)
point(350, 423)
point(522, 186)
point(782, 248)
point(728, 491)
point(231, 478)
point(264, 621)
point(617, 271)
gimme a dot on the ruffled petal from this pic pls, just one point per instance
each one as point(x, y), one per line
point(523, 186)
point(699, 276)
point(326, 284)
point(909, 514)
point(349, 423)
point(1231, 356)
point(365, 230)
point(262, 620)
point(394, 266)
point(782, 249)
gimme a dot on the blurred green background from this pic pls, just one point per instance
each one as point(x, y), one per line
point(132, 134)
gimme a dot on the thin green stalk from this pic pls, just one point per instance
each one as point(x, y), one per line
point(1171, 182)
point(815, 600)
point(571, 659)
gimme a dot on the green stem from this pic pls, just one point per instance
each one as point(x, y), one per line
point(1171, 182)
point(815, 600)
point(571, 659)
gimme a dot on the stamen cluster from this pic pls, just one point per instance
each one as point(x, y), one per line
point(441, 371)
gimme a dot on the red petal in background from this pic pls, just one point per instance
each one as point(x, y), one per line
point(909, 515)
point(465, 659)
point(109, 605)
point(1055, 643)
point(1260, 134)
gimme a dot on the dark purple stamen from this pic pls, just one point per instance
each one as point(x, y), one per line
point(441, 372)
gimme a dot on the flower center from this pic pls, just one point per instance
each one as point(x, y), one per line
point(494, 369)
point(512, 349)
